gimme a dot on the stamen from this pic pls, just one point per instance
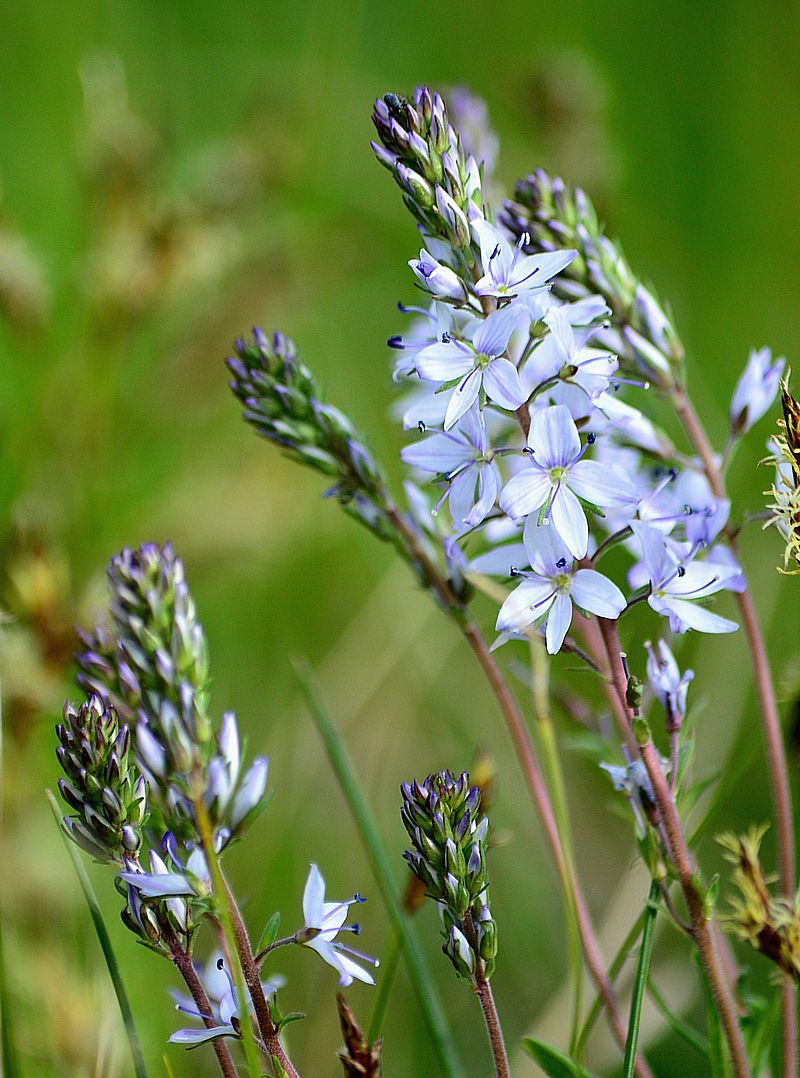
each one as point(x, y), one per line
point(561, 563)
point(396, 342)
point(495, 253)
point(356, 954)
point(421, 426)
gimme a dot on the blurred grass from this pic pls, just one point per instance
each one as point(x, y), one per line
point(235, 184)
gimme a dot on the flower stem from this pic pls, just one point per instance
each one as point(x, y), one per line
point(483, 990)
point(684, 865)
point(770, 720)
point(183, 963)
point(440, 586)
point(245, 969)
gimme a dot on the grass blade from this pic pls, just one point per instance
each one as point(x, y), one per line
point(431, 1008)
point(640, 982)
point(105, 944)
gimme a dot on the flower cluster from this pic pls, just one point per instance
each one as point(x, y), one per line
point(448, 831)
point(516, 374)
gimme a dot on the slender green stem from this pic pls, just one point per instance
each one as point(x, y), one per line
point(105, 945)
point(641, 980)
point(390, 964)
point(619, 960)
point(540, 682)
point(679, 1027)
point(432, 1011)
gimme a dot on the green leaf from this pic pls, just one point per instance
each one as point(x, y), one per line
point(292, 1016)
point(432, 1011)
point(553, 1062)
point(641, 979)
point(105, 943)
point(270, 933)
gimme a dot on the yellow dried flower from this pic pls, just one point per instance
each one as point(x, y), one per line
point(786, 488)
point(768, 923)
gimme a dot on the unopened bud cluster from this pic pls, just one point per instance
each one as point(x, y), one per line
point(553, 215)
point(419, 145)
point(448, 831)
point(282, 402)
point(152, 663)
point(102, 783)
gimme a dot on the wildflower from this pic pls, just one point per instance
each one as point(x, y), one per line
point(437, 279)
point(666, 681)
point(475, 365)
point(547, 593)
point(563, 354)
point(463, 456)
point(323, 920)
point(102, 783)
point(221, 992)
point(675, 587)
point(558, 476)
point(755, 391)
point(230, 797)
point(507, 271)
point(448, 831)
point(160, 882)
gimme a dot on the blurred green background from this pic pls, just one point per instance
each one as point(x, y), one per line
point(171, 173)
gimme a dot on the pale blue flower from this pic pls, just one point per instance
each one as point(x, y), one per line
point(668, 684)
point(476, 364)
point(675, 587)
point(464, 457)
point(438, 279)
point(221, 992)
point(557, 476)
point(507, 271)
point(564, 353)
point(755, 391)
point(323, 921)
point(548, 591)
point(230, 796)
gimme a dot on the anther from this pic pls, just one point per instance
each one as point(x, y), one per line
point(421, 426)
point(591, 438)
point(395, 342)
point(681, 570)
point(561, 563)
point(495, 253)
point(446, 338)
point(513, 570)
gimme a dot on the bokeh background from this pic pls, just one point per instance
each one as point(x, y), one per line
point(171, 174)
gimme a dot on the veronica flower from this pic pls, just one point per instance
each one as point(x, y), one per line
point(323, 920)
point(564, 354)
point(439, 280)
point(548, 591)
point(231, 797)
point(475, 365)
point(557, 477)
point(666, 681)
point(675, 587)
point(464, 457)
point(755, 391)
point(221, 992)
point(507, 271)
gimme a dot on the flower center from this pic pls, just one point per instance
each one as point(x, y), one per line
point(556, 475)
point(562, 582)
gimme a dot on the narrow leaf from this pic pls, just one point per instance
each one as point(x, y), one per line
point(554, 1063)
point(270, 933)
point(432, 1012)
point(105, 944)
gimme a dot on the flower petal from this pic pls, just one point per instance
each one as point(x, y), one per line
point(464, 396)
point(689, 615)
point(201, 1036)
point(525, 492)
point(601, 484)
point(502, 385)
point(494, 333)
point(596, 593)
point(314, 899)
point(443, 361)
point(553, 437)
point(558, 622)
point(488, 484)
point(439, 453)
point(570, 521)
point(524, 605)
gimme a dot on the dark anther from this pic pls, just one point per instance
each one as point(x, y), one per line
point(395, 342)
point(673, 473)
point(681, 571)
point(445, 338)
point(220, 963)
point(591, 438)
point(513, 570)
point(688, 510)
point(421, 426)
point(561, 563)
point(495, 252)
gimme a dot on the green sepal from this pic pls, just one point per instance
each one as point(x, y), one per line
point(554, 1063)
